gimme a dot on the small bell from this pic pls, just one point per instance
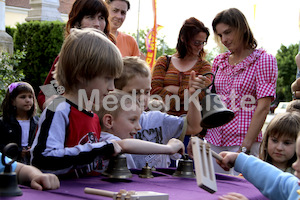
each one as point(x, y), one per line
point(146, 172)
point(117, 168)
point(185, 168)
point(8, 179)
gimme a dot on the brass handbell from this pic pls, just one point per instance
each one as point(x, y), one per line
point(146, 172)
point(117, 168)
point(185, 168)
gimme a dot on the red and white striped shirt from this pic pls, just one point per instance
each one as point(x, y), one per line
point(240, 87)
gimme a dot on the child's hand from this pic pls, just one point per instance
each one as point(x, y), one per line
point(45, 181)
point(117, 147)
point(25, 152)
point(233, 196)
point(176, 146)
point(190, 149)
point(198, 82)
point(228, 160)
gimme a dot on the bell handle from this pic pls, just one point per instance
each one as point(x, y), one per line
point(7, 148)
point(216, 155)
point(99, 192)
point(211, 82)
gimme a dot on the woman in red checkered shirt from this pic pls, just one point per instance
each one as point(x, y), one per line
point(246, 81)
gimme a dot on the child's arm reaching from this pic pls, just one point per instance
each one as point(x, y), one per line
point(136, 146)
point(37, 179)
point(271, 181)
point(194, 114)
point(228, 160)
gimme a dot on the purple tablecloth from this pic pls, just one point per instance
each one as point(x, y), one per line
point(164, 182)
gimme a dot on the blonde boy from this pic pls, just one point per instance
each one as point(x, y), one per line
point(68, 135)
point(120, 120)
point(67, 140)
point(156, 126)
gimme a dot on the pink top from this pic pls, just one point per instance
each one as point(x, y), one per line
point(254, 78)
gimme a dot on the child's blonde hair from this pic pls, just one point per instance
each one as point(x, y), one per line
point(121, 99)
point(133, 66)
point(13, 91)
point(86, 54)
point(293, 106)
point(285, 124)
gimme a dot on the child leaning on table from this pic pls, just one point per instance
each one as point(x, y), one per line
point(67, 140)
point(68, 132)
point(120, 121)
point(29, 174)
point(157, 126)
point(278, 145)
point(271, 181)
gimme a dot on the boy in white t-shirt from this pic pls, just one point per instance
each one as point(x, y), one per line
point(156, 126)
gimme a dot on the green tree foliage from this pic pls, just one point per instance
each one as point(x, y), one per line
point(162, 47)
point(42, 42)
point(9, 71)
point(10, 30)
point(286, 71)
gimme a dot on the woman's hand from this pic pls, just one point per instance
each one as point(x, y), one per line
point(197, 82)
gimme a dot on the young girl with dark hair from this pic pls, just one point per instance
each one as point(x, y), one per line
point(19, 121)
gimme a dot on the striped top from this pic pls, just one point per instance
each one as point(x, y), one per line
point(162, 78)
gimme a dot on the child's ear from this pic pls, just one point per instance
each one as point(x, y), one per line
point(81, 79)
point(108, 121)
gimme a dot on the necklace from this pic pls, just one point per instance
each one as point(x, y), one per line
point(244, 55)
point(236, 62)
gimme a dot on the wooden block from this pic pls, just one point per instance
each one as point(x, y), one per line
point(130, 195)
point(204, 169)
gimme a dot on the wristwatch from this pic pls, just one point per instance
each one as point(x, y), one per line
point(244, 150)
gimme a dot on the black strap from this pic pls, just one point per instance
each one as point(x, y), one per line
point(168, 61)
point(213, 88)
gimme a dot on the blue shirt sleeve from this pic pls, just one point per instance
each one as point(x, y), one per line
point(7, 160)
point(271, 181)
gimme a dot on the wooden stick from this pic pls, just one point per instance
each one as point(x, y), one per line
point(213, 153)
point(216, 155)
point(99, 192)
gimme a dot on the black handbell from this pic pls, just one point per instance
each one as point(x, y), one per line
point(8, 179)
